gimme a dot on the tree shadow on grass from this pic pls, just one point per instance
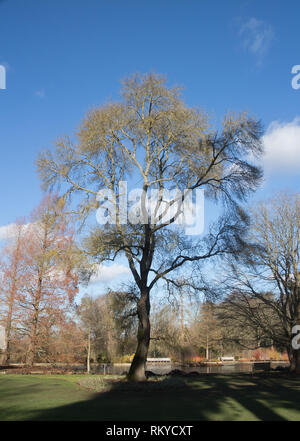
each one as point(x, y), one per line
point(211, 397)
point(256, 396)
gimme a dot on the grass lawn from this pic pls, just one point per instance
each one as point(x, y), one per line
point(211, 397)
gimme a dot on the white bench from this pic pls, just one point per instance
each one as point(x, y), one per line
point(227, 358)
point(158, 360)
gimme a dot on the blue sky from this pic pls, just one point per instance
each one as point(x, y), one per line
point(64, 56)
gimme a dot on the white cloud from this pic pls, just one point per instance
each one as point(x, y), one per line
point(109, 273)
point(282, 146)
point(7, 231)
point(257, 37)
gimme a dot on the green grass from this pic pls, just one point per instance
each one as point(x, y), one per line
point(212, 397)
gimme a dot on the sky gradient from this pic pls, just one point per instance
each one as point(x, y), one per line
point(63, 57)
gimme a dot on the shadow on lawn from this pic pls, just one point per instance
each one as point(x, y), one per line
point(198, 398)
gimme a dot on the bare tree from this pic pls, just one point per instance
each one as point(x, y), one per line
point(264, 286)
point(247, 322)
point(12, 270)
point(123, 309)
point(109, 321)
point(166, 333)
point(205, 329)
point(152, 137)
point(50, 277)
point(90, 314)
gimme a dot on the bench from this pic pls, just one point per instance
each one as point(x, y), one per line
point(227, 358)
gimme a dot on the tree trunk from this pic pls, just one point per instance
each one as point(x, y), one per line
point(88, 363)
point(7, 337)
point(30, 358)
point(9, 321)
point(137, 368)
point(297, 367)
point(32, 345)
point(11, 303)
point(207, 350)
point(294, 357)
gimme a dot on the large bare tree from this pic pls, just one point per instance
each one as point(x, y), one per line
point(264, 285)
point(152, 139)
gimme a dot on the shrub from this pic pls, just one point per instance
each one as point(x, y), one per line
point(257, 354)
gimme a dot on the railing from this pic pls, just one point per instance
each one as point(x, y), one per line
point(261, 365)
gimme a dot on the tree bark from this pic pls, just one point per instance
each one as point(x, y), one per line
point(294, 357)
point(32, 345)
point(7, 337)
point(137, 368)
point(88, 364)
point(207, 350)
point(12, 299)
point(9, 321)
point(31, 354)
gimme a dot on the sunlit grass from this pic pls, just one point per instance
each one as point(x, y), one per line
point(94, 397)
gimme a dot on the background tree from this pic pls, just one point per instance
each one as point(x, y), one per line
point(241, 319)
point(109, 322)
point(206, 331)
point(50, 281)
point(263, 287)
point(91, 317)
point(123, 309)
point(12, 271)
point(166, 332)
point(154, 138)
point(68, 342)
